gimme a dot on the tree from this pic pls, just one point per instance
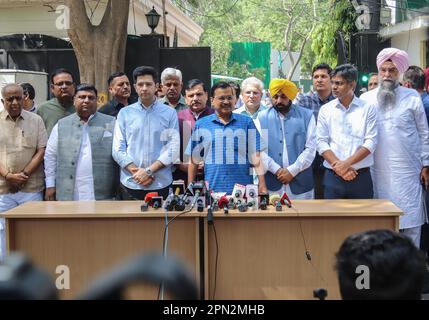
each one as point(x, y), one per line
point(341, 18)
point(100, 50)
point(286, 24)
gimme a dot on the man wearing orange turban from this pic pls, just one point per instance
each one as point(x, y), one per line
point(291, 134)
point(401, 160)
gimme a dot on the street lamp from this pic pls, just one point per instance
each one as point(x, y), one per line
point(152, 19)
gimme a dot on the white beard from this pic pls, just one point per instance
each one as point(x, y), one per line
point(386, 95)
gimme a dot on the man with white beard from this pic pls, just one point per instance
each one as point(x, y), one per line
point(401, 160)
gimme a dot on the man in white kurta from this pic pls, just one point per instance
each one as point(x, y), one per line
point(401, 159)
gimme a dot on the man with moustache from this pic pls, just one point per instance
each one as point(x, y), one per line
point(373, 81)
point(29, 94)
point(171, 85)
point(314, 101)
point(227, 143)
point(251, 93)
point(291, 134)
point(196, 97)
point(22, 146)
point(120, 90)
point(401, 159)
point(347, 138)
point(78, 158)
point(63, 89)
point(414, 78)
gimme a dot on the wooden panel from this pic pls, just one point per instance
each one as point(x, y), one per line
point(85, 209)
point(91, 246)
point(265, 258)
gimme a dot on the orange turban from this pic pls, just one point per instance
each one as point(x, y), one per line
point(285, 86)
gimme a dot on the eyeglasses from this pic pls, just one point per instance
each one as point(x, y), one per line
point(11, 99)
point(63, 83)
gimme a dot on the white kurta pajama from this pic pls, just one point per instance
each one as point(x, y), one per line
point(402, 151)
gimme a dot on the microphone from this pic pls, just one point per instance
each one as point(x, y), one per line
point(168, 203)
point(198, 190)
point(274, 198)
point(275, 201)
point(149, 196)
point(223, 203)
point(285, 200)
point(265, 199)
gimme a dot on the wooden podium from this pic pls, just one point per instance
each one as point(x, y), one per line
point(92, 237)
point(262, 255)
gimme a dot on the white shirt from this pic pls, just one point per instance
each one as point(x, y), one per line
point(84, 181)
point(243, 110)
point(344, 130)
point(304, 160)
point(402, 151)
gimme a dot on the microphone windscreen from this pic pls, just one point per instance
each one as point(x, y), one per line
point(149, 196)
point(223, 202)
point(274, 198)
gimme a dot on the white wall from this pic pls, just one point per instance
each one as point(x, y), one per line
point(411, 42)
point(286, 64)
point(33, 17)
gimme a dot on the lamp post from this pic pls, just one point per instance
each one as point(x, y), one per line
point(152, 19)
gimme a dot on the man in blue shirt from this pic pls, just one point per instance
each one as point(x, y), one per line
point(146, 140)
point(227, 143)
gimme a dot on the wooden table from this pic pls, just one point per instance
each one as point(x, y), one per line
point(262, 255)
point(91, 237)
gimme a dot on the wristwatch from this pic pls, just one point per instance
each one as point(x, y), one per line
point(148, 171)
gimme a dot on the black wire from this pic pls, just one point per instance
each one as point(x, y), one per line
point(165, 236)
point(216, 261)
point(307, 252)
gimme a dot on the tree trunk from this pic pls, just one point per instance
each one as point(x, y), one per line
point(100, 50)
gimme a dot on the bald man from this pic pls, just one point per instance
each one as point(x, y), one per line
point(291, 134)
point(23, 140)
point(401, 160)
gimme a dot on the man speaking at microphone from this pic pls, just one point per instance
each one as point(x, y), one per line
point(228, 143)
point(291, 134)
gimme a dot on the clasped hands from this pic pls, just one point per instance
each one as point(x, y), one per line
point(344, 170)
point(141, 177)
point(16, 181)
point(284, 176)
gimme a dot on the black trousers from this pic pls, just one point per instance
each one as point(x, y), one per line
point(132, 194)
point(359, 188)
point(318, 174)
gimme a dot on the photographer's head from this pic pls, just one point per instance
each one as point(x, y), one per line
point(394, 267)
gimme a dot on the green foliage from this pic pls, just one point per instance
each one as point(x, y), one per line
point(244, 71)
point(226, 21)
point(341, 17)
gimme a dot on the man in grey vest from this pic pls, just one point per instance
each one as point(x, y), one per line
point(78, 157)
point(291, 134)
